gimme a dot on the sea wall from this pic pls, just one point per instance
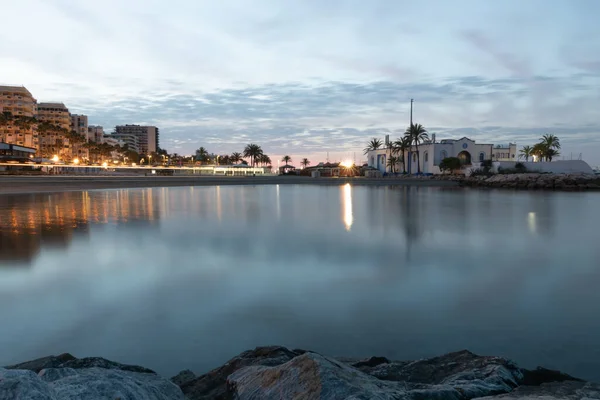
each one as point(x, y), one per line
point(277, 372)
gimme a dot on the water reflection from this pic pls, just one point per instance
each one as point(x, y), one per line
point(176, 278)
point(31, 223)
point(347, 206)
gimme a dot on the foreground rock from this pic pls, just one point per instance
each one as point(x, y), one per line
point(536, 181)
point(66, 377)
point(279, 373)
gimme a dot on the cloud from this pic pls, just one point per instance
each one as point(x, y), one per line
point(312, 77)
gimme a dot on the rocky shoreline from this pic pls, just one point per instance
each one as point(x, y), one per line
point(280, 373)
point(536, 181)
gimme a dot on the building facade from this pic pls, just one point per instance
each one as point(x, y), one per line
point(431, 154)
point(147, 137)
point(504, 152)
point(19, 102)
point(79, 124)
point(127, 139)
point(54, 142)
point(95, 134)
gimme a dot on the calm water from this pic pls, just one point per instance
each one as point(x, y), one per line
point(189, 277)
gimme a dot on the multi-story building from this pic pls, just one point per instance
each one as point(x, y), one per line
point(79, 124)
point(19, 102)
point(95, 134)
point(54, 142)
point(130, 140)
point(147, 136)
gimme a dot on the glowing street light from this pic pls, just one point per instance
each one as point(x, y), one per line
point(55, 158)
point(76, 161)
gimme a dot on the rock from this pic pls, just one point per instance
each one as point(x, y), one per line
point(552, 391)
point(100, 383)
point(66, 360)
point(183, 377)
point(92, 362)
point(85, 384)
point(213, 384)
point(24, 384)
point(44, 362)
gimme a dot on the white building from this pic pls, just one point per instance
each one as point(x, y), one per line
point(505, 152)
point(431, 154)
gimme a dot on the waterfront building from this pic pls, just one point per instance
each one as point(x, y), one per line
point(431, 154)
point(148, 137)
point(130, 140)
point(504, 152)
point(13, 152)
point(54, 142)
point(19, 102)
point(95, 134)
point(79, 124)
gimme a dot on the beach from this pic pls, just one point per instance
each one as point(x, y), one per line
point(44, 184)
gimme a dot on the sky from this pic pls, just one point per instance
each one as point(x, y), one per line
point(310, 78)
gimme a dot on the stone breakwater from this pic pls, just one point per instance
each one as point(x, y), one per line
point(280, 373)
point(534, 181)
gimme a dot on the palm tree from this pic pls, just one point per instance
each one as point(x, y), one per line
point(201, 154)
point(526, 152)
point(235, 157)
point(551, 153)
point(305, 162)
point(401, 146)
point(374, 144)
point(417, 135)
point(252, 151)
point(286, 160)
point(391, 162)
point(265, 159)
point(550, 141)
point(539, 150)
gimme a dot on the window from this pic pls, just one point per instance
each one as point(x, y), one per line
point(481, 157)
point(415, 157)
point(426, 157)
point(443, 154)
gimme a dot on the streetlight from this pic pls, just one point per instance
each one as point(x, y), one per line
point(76, 161)
point(55, 158)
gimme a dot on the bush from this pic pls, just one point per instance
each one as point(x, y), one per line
point(520, 167)
point(450, 164)
point(481, 172)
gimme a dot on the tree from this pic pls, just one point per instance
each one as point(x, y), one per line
point(391, 162)
point(551, 145)
point(526, 152)
point(201, 154)
point(417, 135)
point(236, 157)
point(252, 151)
point(374, 144)
point(286, 160)
point(305, 162)
point(450, 164)
point(265, 159)
point(551, 153)
point(539, 150)
point(401, 146)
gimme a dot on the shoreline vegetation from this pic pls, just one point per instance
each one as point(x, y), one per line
point(276, 372)
point(21, 184)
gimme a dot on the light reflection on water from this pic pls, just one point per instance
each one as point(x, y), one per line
point(174, 278)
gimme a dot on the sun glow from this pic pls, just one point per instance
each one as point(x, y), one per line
point(347, 163)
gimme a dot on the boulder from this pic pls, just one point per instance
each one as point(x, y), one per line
point(183, 377)
point(66, 360)
point(45, 362)
point(85, 384)
point(552, 391)
point(212, 385)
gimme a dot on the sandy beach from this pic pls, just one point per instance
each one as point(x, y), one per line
point(34, 184)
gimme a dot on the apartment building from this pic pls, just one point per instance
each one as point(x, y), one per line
point(54, 142)
point(132, 141)
point(19, 102)
point(95, 134)
point(79, 124)
point(147, 136)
